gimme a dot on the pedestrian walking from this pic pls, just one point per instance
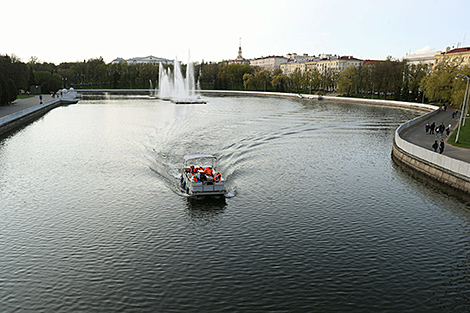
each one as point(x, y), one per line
point(453, 113)
point(435, 146)
point(40, 99)
point(442, 128)
point(427, 127)
point(431, 128)
point(441, 146)
point(448, 130)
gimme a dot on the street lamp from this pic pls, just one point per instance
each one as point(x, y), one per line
point(464, 108)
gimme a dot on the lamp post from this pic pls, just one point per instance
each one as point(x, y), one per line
point(464, 104)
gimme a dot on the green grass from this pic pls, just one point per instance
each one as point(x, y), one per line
point(464, 136)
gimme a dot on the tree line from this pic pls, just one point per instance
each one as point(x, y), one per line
point(399, 80)
point(390, 79)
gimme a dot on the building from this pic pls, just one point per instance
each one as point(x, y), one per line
point(291, 66)
point(420, 58)
point(297, 57)
point(323, 63)
point(459, 57)
point(239, 59)
point(270, 63)
point(143, 60)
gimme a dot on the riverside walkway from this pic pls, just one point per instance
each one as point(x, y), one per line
point(418, 136)
point(22, 104)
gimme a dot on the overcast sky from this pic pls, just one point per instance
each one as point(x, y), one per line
point(67, 31)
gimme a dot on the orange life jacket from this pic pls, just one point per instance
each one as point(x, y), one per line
point(217, 177)
point(208, 171)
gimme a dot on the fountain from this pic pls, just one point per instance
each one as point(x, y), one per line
point(175, 88)
point(152, 92)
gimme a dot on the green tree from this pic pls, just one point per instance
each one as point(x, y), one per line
point(438, 84)
point(280, 82)
point(347, 80)
point(231, 75)
point(459, 86)
point(249, 81)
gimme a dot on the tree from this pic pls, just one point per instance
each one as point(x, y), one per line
point(263, 80)
point(280, 82)
point(347, 80)
point(459, 87)
point(438, 84)
point(296, 80)
point(12, 90)
point(249, 81)
point(4, 93)
point(209, 74)
point(231, 75)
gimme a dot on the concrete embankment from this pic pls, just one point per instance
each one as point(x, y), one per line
point(451, 171)
point(24, 112)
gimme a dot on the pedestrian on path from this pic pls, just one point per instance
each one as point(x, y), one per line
point(435, 146)
point(40, 99)
point(448, 130)
point(441, 146)
point(431, 128)
point(440, 130)
point(427, 127)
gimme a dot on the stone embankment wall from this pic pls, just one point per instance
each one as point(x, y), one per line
point(18, 119)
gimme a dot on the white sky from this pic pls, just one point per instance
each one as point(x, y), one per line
point(66, 31)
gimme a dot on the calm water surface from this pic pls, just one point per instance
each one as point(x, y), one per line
point(92, 220)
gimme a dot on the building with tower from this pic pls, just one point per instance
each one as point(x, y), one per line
point(239, 59)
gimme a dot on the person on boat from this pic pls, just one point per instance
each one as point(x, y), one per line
point(208, 171)
point(192, 169)
point(217, 177)
point(202, 176)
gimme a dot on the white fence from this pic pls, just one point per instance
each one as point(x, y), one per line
point(458, 167)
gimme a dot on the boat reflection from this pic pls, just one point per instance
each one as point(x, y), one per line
point(205, 208)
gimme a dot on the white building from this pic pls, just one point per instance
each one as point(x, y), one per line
point(421, 58)
point(270, 63)
point(298, 57)
point(143, 60)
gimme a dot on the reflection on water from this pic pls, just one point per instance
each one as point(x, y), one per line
point(93, 218)
point(206, 209)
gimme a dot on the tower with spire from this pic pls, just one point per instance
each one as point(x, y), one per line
point(240, 57)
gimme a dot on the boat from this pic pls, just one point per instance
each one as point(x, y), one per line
point(200, 178)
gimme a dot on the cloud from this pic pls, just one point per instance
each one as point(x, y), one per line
point(425, 49)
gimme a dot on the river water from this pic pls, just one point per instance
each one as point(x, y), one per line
point(321, 220)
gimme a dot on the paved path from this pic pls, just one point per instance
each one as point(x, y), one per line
point(21, 104)
point(418, 136)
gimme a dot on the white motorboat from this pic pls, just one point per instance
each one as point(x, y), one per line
point(200, 178)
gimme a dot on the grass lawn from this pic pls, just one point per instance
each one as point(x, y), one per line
point(464, 136)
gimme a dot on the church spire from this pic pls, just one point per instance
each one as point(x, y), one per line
point(240, 58)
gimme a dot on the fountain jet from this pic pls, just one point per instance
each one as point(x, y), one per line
point(175, 88)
